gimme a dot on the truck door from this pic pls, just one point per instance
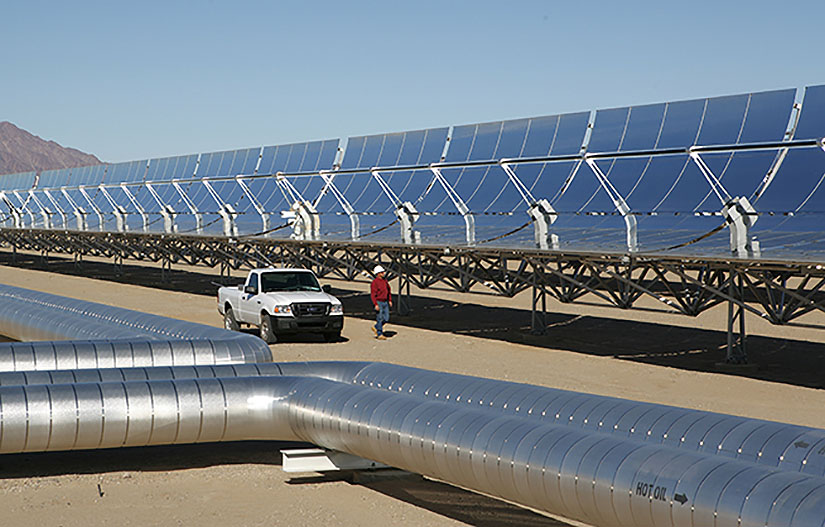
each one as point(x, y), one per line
point(250, 305)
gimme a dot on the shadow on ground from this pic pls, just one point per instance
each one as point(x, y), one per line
point(460, 505)
point(442, 499)
point(143, 459)
point(773, 359)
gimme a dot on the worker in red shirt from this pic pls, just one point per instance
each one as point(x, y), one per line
point(382, 300)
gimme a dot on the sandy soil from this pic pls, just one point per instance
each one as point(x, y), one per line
point(241, 484)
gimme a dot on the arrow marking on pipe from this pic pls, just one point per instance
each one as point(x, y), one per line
point(801, 444)
point(681, 498)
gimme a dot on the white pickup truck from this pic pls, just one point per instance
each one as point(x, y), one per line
point(282, 301)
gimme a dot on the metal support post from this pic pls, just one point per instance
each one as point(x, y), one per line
point(168, 219)
point(100, 223)
point(738, 212)
point(225, 211)
point(117, 210)
point(165, 269)
point(191, 206)
point(56, 205)
point(543, 216)
point(538, 310)
point(228, 214)
point(118, 264)
point(17, 219)
point(355, 222)
point(740, 217)
point(402, 304)
point(407, 215)
point(619, 202)
point(469, 221)
point(255, 203)
point(305, 224)
point(540, 211)
point(47, 219)
point(304, 218)
point(79, 212)
point(736, 352)
point(405, 211)
point(137, 206)
point(120, 218)
point(24, 208)
point(45, 212)
point(167, 212)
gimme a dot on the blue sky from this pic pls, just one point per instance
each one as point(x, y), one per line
point(133, 80)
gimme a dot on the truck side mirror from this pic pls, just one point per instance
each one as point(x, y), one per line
point(251, 290)
point(326, 288)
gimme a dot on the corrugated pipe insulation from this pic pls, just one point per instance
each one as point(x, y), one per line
point(599, 460)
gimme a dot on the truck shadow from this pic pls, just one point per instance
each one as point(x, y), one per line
point(773, 359)
point(296, 337)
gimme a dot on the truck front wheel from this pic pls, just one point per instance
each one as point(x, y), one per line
point(267, 334)
point(229, 321)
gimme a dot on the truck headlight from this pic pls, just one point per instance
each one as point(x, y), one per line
point(336, 309)
point(283, 310)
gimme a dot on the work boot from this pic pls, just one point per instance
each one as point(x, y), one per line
point(381, 337)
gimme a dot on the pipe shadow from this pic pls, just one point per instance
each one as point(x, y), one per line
point(440, 498)
point(772, 359)
point(143, 459)
point(461, 505)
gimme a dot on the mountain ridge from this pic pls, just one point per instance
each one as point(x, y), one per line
point(22, 151)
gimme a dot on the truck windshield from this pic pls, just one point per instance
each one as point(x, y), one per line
point(289, 281)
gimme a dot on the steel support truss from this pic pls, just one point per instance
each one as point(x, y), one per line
point(779, 292)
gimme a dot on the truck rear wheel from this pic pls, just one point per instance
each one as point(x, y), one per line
point(229, 321)
point(267, 334)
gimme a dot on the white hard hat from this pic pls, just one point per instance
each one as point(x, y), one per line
point(378, 269)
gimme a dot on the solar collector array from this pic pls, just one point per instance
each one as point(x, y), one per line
point(651, 167)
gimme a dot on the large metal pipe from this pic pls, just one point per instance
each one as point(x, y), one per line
point(589, 476)
point(71, 334)
point(788, 447)
point(597, 459)
point(341, 371)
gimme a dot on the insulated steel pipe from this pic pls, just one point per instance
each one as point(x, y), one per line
point(788, 447)
point(334, 370)
point(99, 336)
point(40, 418)
point(593, 477)
point(605, 461)
point(589, 476)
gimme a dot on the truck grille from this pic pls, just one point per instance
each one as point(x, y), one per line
point(310, 310)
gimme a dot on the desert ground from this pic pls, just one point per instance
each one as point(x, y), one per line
point(640, 354)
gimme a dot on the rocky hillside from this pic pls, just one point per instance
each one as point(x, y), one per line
point(21, 151)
